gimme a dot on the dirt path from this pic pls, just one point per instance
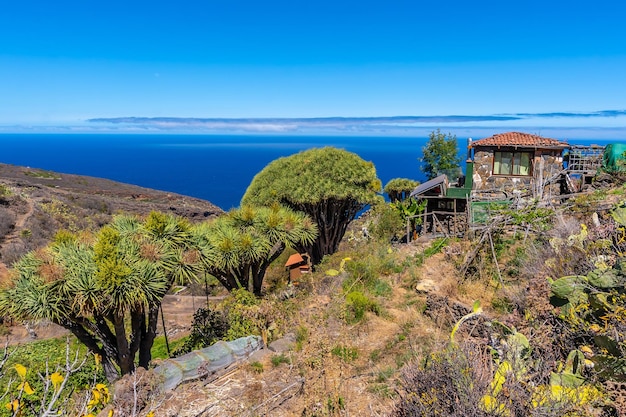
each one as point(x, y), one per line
point(19, 224)
point(15, 234)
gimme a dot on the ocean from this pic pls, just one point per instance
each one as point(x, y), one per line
point(217, 168)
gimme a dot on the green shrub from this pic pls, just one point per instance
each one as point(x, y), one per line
point(302, 335)
point(240, 308)
point(345, 353)
point(502, 305)
point(257, 367)
point(278, 359)
point(32, 365)
point(435, 247)
point(357, 304)
point(208, 327)
point(387, 223)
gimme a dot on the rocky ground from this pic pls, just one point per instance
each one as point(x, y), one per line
point(34, 204)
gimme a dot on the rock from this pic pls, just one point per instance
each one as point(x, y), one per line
point(259, 355)
point(426, 286)
point(283, 345)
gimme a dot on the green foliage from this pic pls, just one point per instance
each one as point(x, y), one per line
point(330, 185)
point(240, 308)
point(451, 382)
point(107, 292)
point(502, 305)
point(594, 306)
point(277, 360)
point(440, 153)
point(302, 335)
point(5, 191)
point(435, 247)
point(44, 375)
point(567, 391)
point(36, 355)
point(540, 218)
point(162, 350)
point(400, 188)
point(409, 209)
point(238, 248)
point(366, 272)
point(345, 353)
point(208, 327)
point(257, 367)
point(357, 304)
point(43, 174)
point(387, 222)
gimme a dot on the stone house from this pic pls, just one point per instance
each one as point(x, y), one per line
point(516, 164)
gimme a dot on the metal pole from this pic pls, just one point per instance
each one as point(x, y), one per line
point(167, 343)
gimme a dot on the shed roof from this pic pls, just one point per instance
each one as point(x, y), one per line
point(294, 259)
point(429, 185)
point(519, 140)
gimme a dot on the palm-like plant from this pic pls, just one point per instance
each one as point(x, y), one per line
point(238, 248)
point(107, 293)
point(330, 185)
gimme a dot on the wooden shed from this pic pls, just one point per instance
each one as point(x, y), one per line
point(297, 265)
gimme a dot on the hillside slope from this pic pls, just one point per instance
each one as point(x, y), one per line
point(34, 204)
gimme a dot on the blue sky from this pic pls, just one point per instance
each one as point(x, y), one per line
point(64, 63)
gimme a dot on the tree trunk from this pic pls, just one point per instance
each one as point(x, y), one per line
point(138, 328)
point(124, 359)
point(84, 336)
point(332, 218)
point(145, 348)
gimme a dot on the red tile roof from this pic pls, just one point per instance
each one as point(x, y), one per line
point(518, 139)
point(294, 259)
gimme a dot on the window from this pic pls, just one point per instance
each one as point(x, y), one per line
point(512, 163)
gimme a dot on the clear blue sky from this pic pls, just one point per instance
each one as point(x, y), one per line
point(63, 62)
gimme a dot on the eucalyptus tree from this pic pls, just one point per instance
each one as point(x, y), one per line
point(237, 248)
point(330, 185)
point(106, 290)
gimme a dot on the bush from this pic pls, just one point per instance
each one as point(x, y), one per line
point(387, 223)
point(450, 383)
point(208, 327)
point(345, 353)
point(278, 359)
point(357, 304)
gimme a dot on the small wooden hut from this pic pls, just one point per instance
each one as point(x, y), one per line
point(297, 265)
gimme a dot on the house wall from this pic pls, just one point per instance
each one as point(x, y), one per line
point(546, 163)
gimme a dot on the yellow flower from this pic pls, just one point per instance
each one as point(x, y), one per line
point(13, 405)
point(26, 387)
point(21, 370)
point(56, 379)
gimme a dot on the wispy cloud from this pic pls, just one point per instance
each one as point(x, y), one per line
point(601, 113)
point(292, 124)
point(363, 125)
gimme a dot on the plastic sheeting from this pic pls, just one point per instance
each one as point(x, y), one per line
point(614, 157)
point(206, 361)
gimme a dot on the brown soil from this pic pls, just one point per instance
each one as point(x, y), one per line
point(178, 312)
point(320, 380)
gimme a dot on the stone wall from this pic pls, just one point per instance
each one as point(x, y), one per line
point(546, 164)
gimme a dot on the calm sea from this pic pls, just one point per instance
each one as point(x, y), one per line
point(212, 167)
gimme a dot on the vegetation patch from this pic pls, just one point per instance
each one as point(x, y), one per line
point(49, 175)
